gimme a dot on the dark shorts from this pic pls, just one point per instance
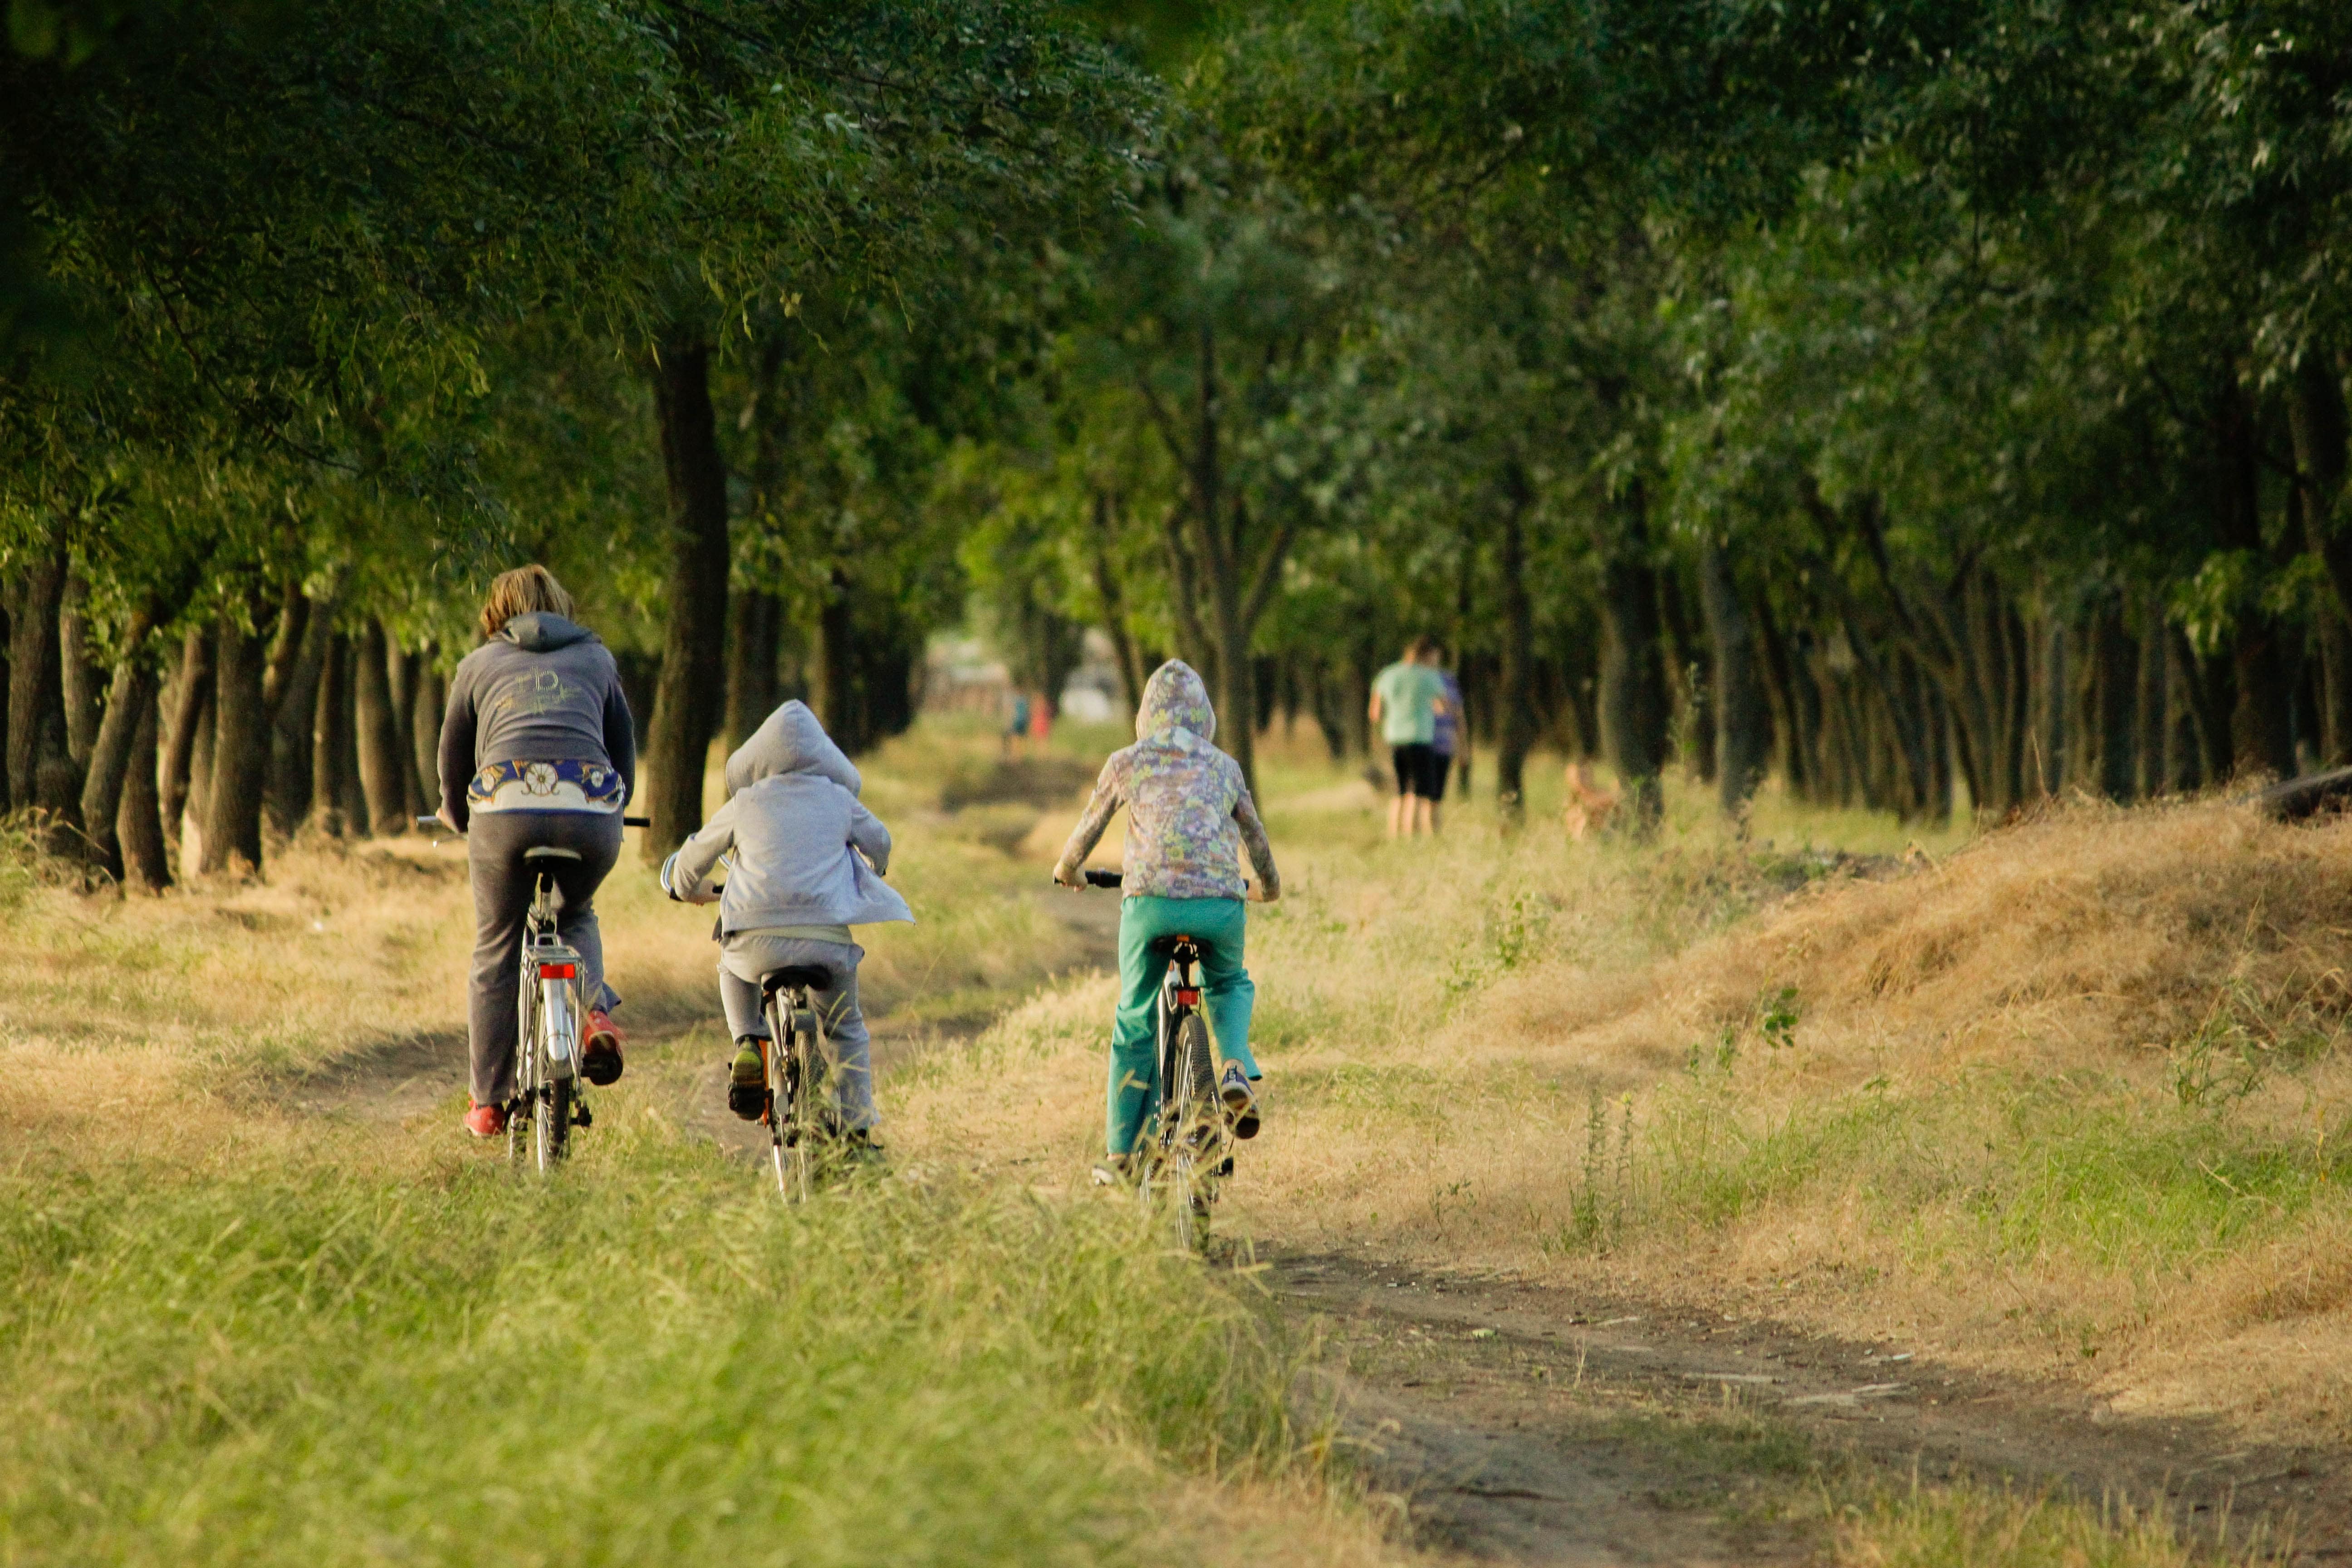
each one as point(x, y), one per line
point(1441, 768)
point(1419, 771)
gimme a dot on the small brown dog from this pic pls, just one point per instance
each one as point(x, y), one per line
point(1588, 805)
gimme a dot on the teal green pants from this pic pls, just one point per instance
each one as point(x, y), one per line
point(1226, 997)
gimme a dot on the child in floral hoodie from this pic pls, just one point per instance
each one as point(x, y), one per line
point(1190, 817)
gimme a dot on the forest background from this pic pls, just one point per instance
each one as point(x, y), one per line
point(1936, 404)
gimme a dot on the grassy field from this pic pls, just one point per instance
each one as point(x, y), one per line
point(2068, 1098)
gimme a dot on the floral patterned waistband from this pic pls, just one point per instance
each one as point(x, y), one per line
point(545, 787)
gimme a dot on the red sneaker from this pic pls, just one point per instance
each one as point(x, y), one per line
point(600, 1051)
point(486, 1121)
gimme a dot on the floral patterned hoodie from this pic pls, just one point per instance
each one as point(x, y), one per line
point(1191, 812)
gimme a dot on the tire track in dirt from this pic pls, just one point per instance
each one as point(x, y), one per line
point(1529, 1424)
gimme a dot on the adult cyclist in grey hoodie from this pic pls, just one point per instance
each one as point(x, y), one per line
point(537, 749)
point(804, 858)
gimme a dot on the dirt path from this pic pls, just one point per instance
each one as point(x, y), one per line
point(1525, 1424)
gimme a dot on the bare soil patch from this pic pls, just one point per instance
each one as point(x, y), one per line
point(1531, 1424)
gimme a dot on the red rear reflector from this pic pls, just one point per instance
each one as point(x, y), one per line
point(1188, 998)
point(555, 970)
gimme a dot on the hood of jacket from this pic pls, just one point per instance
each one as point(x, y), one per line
point(790, 742)
point(1175, 697)
point(537, 631)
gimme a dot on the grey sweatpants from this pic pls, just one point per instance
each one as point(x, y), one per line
point(494, 841)
point(746, 956)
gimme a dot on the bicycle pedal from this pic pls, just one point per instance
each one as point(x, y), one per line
point(583, 1117)
point(1224, 1167)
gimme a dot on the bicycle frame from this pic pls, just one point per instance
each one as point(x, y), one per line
point(799, 1066)
point(548, 1100)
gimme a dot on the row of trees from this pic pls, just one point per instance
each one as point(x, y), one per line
point(1902, 399)
point(316, 316)
point(1929, 403)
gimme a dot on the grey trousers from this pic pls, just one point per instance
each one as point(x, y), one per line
point(745, 957)
point(494, 841)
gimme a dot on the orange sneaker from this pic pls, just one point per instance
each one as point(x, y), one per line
point(600, 1050)
point(486, 1121)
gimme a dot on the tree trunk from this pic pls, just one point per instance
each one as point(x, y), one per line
point(2333, 634)
point(1633, 716)
point(692, 685)
point(232, 830)
point(1113, 595)
point(2148, 715)
point(2115, 660)
point(192, 700)
point(384, 760)
point(34, 690)
point(1692, 727)
point(138, 818)
point(2208, 698)
point(2261, 735)
point(1743, 718)
point(752, 622)
point(425, 729)
point(84, 688)
point(1516, 734)
point(330, 725)
point(833, 684)
point(129, 701)
point(400, 672)
point(290, 694)
point(2317, 424)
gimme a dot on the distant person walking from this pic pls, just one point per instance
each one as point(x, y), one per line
point(1451, 738)
point(1407, 697)
point(1016, 728)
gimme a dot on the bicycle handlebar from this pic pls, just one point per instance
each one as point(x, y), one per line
point(1095, 877)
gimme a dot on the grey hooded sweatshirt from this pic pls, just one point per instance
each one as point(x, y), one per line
point(543, 690)
point(796, 832)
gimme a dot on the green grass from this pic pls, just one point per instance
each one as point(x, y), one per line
point(1979, 1527)
point(1995, 1167)
point(649, 1360)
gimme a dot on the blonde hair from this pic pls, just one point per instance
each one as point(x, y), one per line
point(521, 591)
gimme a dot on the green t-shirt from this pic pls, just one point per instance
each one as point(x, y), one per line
point(1407, 694)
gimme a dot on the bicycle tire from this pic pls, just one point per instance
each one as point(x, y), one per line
point(522, 1112)
point(1189, 1126)
point(555, 1124)
point(801, 1061)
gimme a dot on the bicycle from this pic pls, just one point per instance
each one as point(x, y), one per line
point(1192, 1141)
point(550, 1098)
point(797, 1059)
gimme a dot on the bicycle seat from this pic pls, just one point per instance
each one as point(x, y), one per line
point(793, 974)
point(549, 852)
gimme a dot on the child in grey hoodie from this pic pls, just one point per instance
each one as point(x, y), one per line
point(803, 860)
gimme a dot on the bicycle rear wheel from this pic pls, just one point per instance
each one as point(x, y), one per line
point(804, 1128)
point(554, 1123)
point(523, 1110)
